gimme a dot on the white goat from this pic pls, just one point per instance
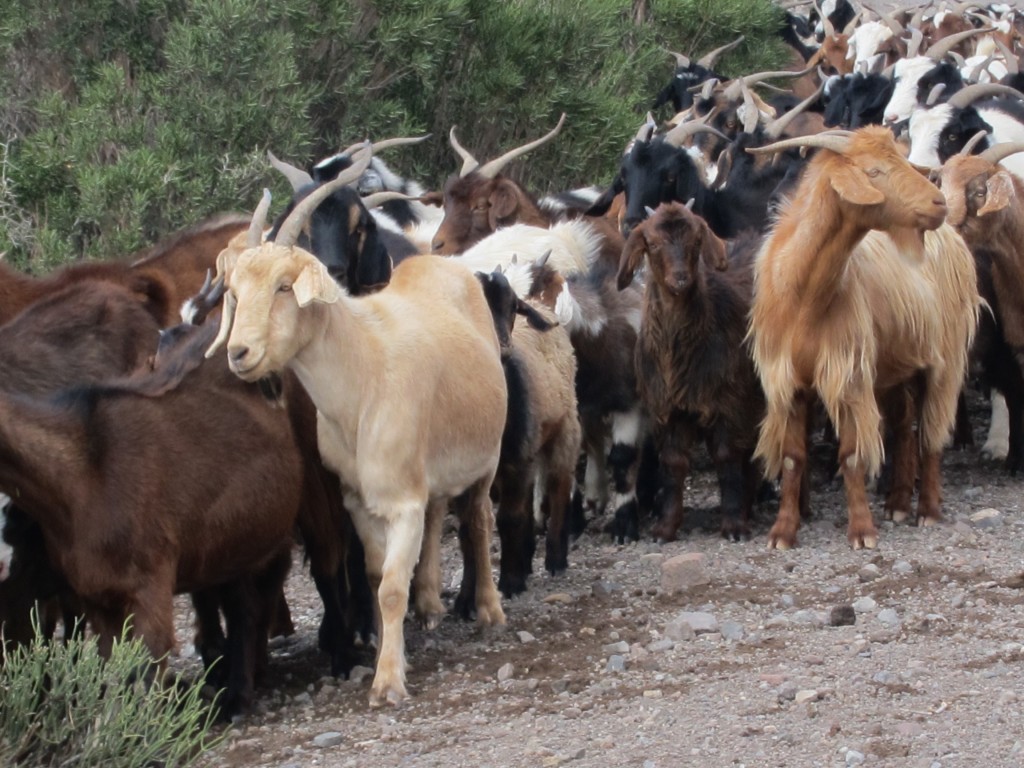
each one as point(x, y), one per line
point(411, 403)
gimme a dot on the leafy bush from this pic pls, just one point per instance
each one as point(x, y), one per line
point(126, 122)
point(63, 705)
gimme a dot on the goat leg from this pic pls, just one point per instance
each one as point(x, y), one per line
point(1015, 456)
point(559, 488)
point(427, 574)
point(861, 531)
point(474, 509)
point(675, 458)
point(515, 529)
point(900, 417)
point(929, 502)
point(794, 481)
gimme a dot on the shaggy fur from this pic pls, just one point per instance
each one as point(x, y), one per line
point(844, 314)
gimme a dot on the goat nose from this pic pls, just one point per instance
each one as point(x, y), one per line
point(238, 354)
point(437, 245)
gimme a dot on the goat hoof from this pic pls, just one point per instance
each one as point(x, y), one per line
point(780, 542)
point(391, 696)
point(864, 541)
point(490, 615)
point(927, 522)
point(431, 621)
point(510, 586)
point(898, 516)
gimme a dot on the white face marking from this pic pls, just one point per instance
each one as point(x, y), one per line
point(907, 74)
point(926, 125)
point(6, 550)
point(626, 428)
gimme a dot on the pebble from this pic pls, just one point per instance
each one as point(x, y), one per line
point(683, 572)
point(329, 739)
point(701, 622)
point(604, 588)
point(864, 604)
point(842, 616)
point(902, 567)
point(664, 644)
point(869, 572)
point(302, 698)
point(525, 637)
point(853, 757)
point(808, 694)
point(559, 597)
point(359, 673)
point(889, 617)
point(616, 663)
point(987, 518)
point(620, 647)
point(812, 618)
point(679, 630)
point(732, 630)
point(505, 672)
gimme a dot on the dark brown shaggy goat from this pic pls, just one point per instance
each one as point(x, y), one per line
point(694, 374)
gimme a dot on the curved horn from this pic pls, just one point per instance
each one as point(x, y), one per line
point(934, 93)
point(830, 31)
point(386, 143)
point(890, 22)
point(254, 238)
point(682, 62)
point(297, 177)
point(914, 46)
point(377, 199)
point(971, 93)
point(647, 129)
point(751, 114)
point(775, 128)
point(469, 163)
point(836, 141)
point(734, 89)
point(1012, 65)
point(975, 75)
point(973, 142)
point(227, 316)
point(681, 132)
point(708, 59)
point(292, 226)
point(1001, 151)
point(937, 51)
point(493, 167)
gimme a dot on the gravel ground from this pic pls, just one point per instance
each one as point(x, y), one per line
point(908, 655)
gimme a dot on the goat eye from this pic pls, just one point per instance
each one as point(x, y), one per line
point(284, 287)
point(952, 137)
point(874, 172)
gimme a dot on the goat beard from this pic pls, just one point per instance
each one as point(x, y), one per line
point(910, 243)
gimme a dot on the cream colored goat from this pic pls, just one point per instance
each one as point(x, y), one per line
point(411, 404)
point(849, 315)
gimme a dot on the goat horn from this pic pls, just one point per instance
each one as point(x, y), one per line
point(914, 46)
point(707, 90)
point(934, 93)
point(493, 167)
point(399, 141)
point(708, 60)
point(469, 163)
point(227, 317)
point(682, 62)
point(681, 132)
point(918, 17)
point(689, 204)
point(972, 93)
point(837, 141)
point(887, 18)
point(975, 75)
point(938, 50)
point(649, 211)
point(751, 115)
point(734, 89)
point(998, 152)
point(774, 129)
point(377, 199)
point(259, 220)
point(825, 21)
point(644, 134)
point(973, 142)
point(543, 259)
point(288, 234)
point(206, 283)
point(1012, 65)
point(297, 177)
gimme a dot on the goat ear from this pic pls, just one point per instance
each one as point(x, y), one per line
point(1000, 192)
point(632, 255)
point(852, 185)
point(315, 283)
point(714, 250)
point(533, 317)
point(504, 203)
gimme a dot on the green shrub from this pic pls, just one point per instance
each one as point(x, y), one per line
point(63, 705)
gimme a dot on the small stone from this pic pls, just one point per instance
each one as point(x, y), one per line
point(812, 618)
point(679, 630)
point(701, 622)
point(787, 691)
point(909, 729)
point(869, 572)
point(902, 567)
point(853, 757)
point(889, 617)
point(786, 601)
point(842, 616)
point(559, 597)
point(329, 739)
point(604, 588)
point(683, 572)
point(664, 644)
point(652, 694)
point(620, 647)
point(732, 630)
point(525, 637)
point(616, 663)
point(808, 694)
point(359, 673)
point(505, 672)
point(864, 604)
point(987, 518)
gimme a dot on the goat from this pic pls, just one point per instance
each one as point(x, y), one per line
point(689, 74)
point(411, 403)
point(848, 315)
point(541, 442)
point(603, 325)
point(986, 205)
point(695, 376)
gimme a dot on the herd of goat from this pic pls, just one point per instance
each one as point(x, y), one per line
point(381, 354)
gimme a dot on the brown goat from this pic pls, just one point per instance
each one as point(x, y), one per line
point(848, 314)
point(695, 376)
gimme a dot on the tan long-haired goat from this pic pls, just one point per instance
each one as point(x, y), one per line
point(411, 403)
point(851, 315)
